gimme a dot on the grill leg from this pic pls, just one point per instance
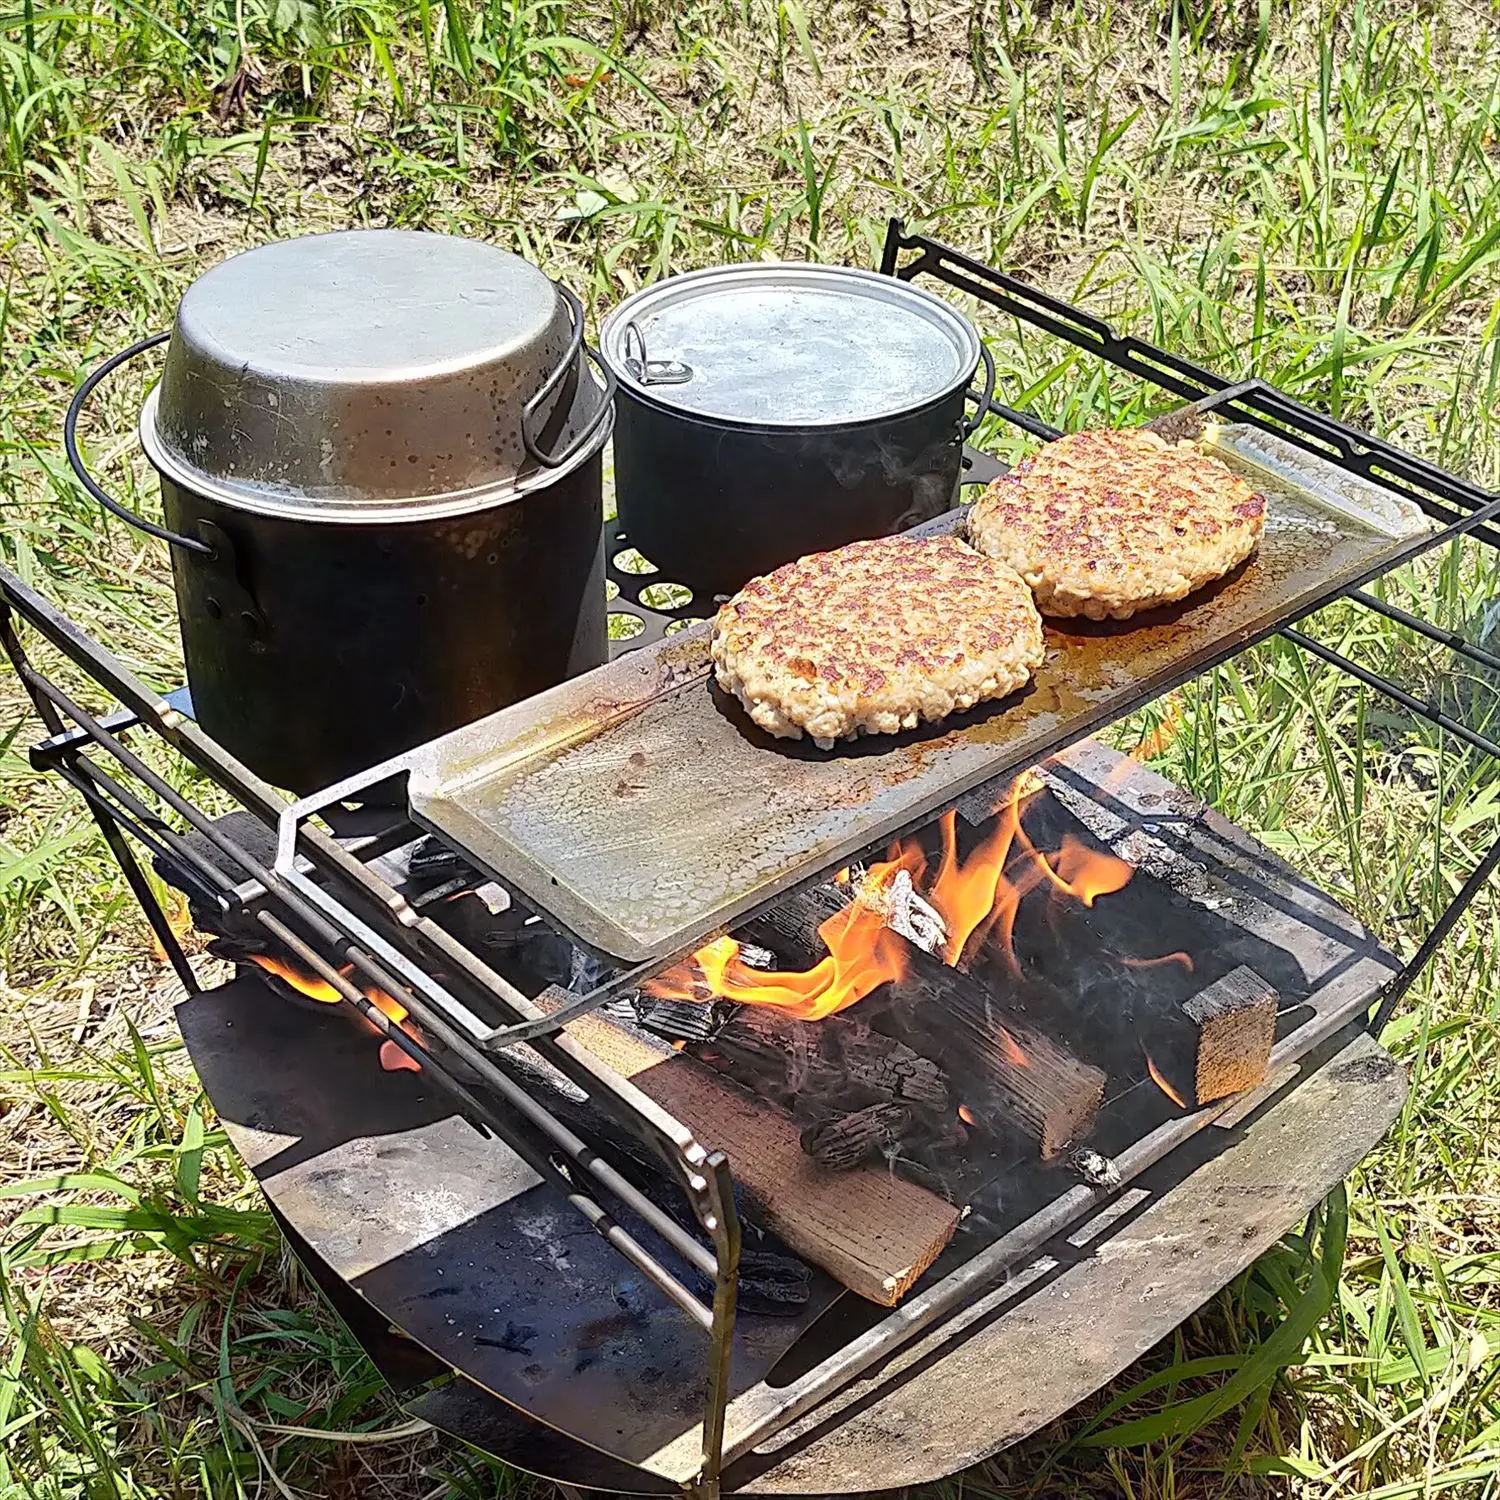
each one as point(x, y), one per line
point(134, 876)
point(1478, 878)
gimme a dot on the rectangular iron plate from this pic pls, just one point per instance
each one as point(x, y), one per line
point(640, 808)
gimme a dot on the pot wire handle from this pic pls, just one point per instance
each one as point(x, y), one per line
point(966, 423)
point(80, 470)
point(570, 357)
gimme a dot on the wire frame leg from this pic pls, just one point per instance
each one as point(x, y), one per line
point(1478, 878)
point(135, 877)
point(140, 887)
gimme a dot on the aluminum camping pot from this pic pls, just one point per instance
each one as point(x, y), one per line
point(380, 469)
point(771, 410)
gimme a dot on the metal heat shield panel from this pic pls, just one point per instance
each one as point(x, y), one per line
point(449, 1236)
point(640, 807)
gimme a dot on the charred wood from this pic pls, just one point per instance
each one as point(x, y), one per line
point(1004, 1071)
point(839, 1059)
point(847, 1140)
point(790, 927)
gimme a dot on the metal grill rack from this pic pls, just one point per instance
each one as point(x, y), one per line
point(326, 899)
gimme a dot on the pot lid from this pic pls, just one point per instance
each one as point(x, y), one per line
point(789, 345)
point(365, 374)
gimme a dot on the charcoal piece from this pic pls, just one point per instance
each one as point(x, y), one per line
point(848, 1140)
point(433, 860)
point(682, 1020)
point(775, 1285)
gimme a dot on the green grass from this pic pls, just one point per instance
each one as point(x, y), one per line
point(1306, 192)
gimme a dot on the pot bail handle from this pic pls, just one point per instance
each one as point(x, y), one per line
point(80, 470)
point(966, 423)
point(565, 365)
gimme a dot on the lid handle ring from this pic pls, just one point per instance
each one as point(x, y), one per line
point(651, 371)
point(567, 363)
point(80, 469)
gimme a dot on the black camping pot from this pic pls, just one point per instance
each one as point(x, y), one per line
point(380, 462)
point(770, 410)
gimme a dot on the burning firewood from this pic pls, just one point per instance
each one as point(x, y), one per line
point(1008, 1073)
point(1217, 1042)
point(848, 1140)
point(790, 927)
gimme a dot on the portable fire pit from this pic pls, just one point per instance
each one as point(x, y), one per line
point(664, 1109)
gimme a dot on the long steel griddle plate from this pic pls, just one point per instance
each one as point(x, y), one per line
point(640, 808)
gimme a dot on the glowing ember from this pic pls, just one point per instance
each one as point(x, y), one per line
point(1181, 958)
point(1012, 1048)
point(863, 954)
point(966, 1115)
point(1163, 1085)
point(392, 1058)
point(977, 896)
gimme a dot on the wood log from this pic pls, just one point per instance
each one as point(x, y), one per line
point(1217, 1042)
point(790, 927)
point(1051, 1097)
point(1003, 1070)
point(873, 1232)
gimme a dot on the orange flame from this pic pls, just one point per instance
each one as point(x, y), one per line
point(966, 1115)
point(1166, 958)
point(1159, 740)
point(1163, 1085)
point(978, 897)
point(863, 954)
point(392, 1058)
point(1012, 1048)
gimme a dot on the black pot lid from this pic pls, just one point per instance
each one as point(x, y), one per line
point(789, 345)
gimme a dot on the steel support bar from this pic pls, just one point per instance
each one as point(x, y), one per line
point(1449, 638)
point(1479, 877)
point(1389, 689)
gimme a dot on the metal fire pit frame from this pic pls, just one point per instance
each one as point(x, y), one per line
point(322, 897)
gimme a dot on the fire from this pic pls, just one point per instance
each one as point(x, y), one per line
point(863, 954)
point(966, 1115)
point(977, 896)
point(1163, 1085)
point(1012, 1048)
point(1184, 959)
point(392, 1058)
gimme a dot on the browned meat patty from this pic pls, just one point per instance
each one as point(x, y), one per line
point(1107, 523)
point(876, 637)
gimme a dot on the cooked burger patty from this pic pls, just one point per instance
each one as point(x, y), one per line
point(1107, 523)
point(876, 637)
